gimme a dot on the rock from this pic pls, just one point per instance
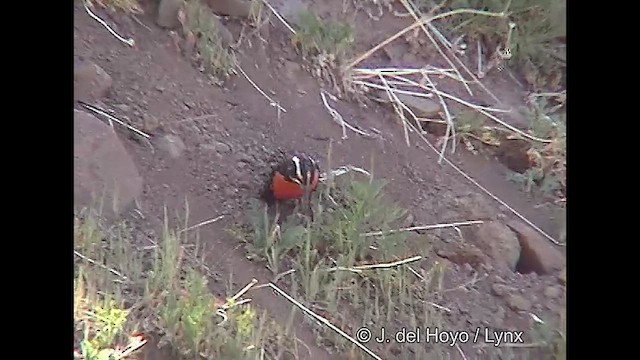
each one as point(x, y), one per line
point(172, 145)
point(500, 289)
point(102, 166)
point(421, 106)
point(229, 7)
point(217, 147)
point(497, 241)
point(244, 158)
point(465, 254)
point(537, 253)
point(518, 303)
point(150, 123)
point(409, 220)
point(552, 292)
point(222, 147)
point(168, 13)
point(123, 107)
point(90, 81)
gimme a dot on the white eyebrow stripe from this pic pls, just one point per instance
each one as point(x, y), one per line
point(296, 161)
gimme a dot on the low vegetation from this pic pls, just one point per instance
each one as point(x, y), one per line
point(130, 295)
point(317, 37)
point(201, 30)
point(327, 262)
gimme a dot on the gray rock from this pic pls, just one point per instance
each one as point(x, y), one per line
point(553, 292)
point(168, 13)
point(90, 81)
point(150, 123)
point(497, 241)
point(422, 107)
point(518, 302)
point(103, 170)
point(123, 107)
point(171, 145)
point(221, 147)
point(500, 289)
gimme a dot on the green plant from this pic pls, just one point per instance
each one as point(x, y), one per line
point(271, 241)
point(324, 268)
point(318, 37)
point(536, 42)
point(549, 159)
point(199, 24)
point(167, 295)
point(102, 325)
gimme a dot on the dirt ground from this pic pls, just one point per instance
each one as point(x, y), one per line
point(227, 132)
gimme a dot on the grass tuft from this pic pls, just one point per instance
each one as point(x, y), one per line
point(536, 43)
point(320, 262)
point(317, 37)
point(317, 263)
point(200, 27)
point(124, 288)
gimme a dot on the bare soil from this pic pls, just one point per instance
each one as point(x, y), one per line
point(229, 132)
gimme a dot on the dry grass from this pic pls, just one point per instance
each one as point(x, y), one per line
point(447, 28)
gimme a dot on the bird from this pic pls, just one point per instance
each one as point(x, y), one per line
point(294, 176)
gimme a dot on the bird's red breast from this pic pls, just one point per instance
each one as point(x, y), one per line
point(284, 189)
point(291, 175)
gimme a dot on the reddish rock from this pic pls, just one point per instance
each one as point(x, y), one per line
point(103, 170)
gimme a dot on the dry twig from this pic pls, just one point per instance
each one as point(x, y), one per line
point(424, 20)
point(320, 319)
point(113, 118)
point(360, 268)
point(423, 227)
point(271, 101)
point(129, 41)
point(338, 118)
point(207, 222)
point(114, 272)
point(279, 16)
